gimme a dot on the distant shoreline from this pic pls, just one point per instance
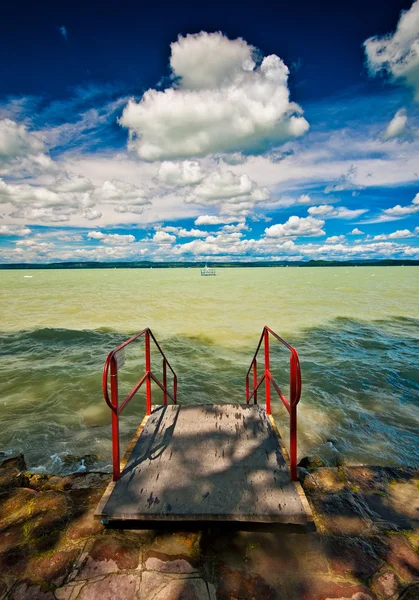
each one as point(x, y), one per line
point(197, 265)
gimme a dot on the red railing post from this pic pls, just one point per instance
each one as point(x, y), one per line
point(164, 382)
point(267, 372)
point(293, 418)
point(175, 389)
point(148, 369)
point(247, 388)
point(115, 420)
point(255, 380)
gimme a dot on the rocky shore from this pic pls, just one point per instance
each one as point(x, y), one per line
point(365, 547)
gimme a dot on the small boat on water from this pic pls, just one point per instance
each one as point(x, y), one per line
point(207, 271)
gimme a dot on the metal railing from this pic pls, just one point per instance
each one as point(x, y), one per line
point(114, 361)
point(267, 377)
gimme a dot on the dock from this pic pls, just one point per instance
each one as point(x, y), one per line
point(208, 462)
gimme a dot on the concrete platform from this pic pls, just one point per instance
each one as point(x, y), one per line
point(223, 462)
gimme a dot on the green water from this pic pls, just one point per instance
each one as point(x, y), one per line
point(356, 330)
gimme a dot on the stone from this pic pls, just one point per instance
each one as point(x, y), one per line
point(175, 546)
point(353, 557)
point(325, 480)
point(242, 585)
point(52, 568)
point(342, 513)
point(312, 462)
point(155, 586)
point(71, 460)
point(113, 587)
point(169, 566)
point(69, 592)
point(385, 584)
point(49, 512)
point(17, 462)
point(410, 593)
point(26, 591)
point(403, 498)
point(11, 478)
point(108, 554)
point(84, 526)
point(403, 559)
point(316, 588)
point(38, 481)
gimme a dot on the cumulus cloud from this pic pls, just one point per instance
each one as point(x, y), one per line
point(296, 227)
point(187, 172)
point(222, 100)
point(335, 239)
point(184, 233)
point(397, 128)
point(330, 212)
point(14, 230)
point(112, 239)
point(398, 53)
point(21, 150)
point(356, 231)
point(44, 204)
point(396, 235)
point(399, 212)
point(125, 197)
point(162, 237)
point(214, 220)
point(345, 182)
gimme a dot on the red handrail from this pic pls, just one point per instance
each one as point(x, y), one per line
point(111, 364)
point(295, 388)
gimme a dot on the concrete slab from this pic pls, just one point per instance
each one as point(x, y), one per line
point(203, 463)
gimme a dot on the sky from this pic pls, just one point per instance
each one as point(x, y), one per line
point(209, 132)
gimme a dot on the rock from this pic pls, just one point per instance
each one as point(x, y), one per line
point(402, 558)
point(242, 585)
point(52, 568)
point(169, 566)
point(155, 586)
point(17, 462)
point(410, 593)
point(107, 555)
point(113, 587)
point(325, 480)
point(38, 481)
point(26, 591)
point(11, 478)
point(353, 556)
point(312, 462)
point(385, 584)
point(74, 461)
point(175, 546)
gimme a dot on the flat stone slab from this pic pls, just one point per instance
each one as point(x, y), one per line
point(207, 462)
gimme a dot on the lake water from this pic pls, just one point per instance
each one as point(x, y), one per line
point(356, 331)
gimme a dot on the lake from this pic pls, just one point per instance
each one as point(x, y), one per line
point(356, 330)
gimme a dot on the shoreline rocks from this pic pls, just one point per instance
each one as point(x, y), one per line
point(366, 546)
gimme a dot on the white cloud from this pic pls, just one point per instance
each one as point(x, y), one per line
point(214, 220)
point(398, 53)
point(161, 237)
point(335, 239)
point(113, 239)
point(399, 212)
point(14, 230)
point(69, 182)
point(125, 197)
point(345, 182)
point(221, 102)
point(330, 212)
point(184, 233)
point(296, 227)
point(356, 231)
point(397, 127)
point(21, 151)
point(396, 235)
point(187, 172)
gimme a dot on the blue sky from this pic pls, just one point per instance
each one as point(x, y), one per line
point(283, 131)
